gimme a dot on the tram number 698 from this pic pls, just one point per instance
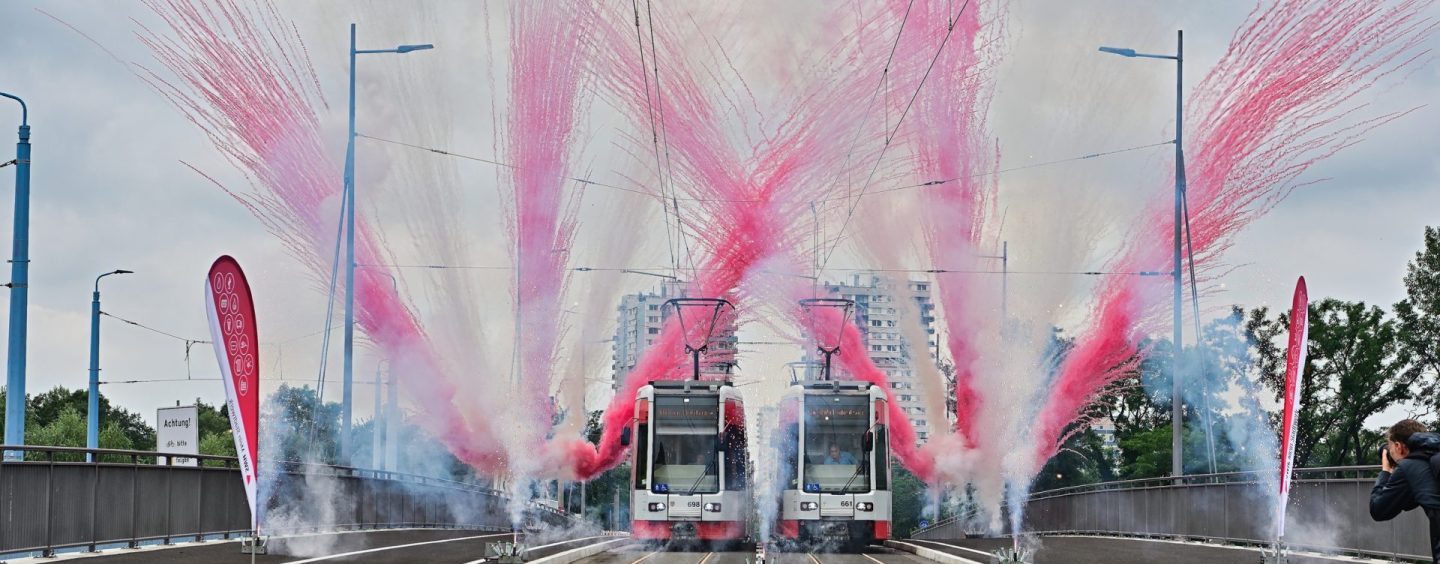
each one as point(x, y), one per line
point(692, 504)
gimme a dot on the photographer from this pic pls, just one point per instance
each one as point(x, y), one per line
point(1406, 478)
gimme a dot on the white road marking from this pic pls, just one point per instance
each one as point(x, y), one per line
point(948, 555)
point(384, 548)
point(643, 558)
point(980, 552)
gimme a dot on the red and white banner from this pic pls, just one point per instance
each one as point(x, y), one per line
point(1294, 368)
point(232, 329)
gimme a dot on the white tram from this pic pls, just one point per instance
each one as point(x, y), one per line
point(691, 469)
point(834, 447)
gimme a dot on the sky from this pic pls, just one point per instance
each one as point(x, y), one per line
point(110, 190)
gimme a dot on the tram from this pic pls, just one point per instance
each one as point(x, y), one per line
point(834, 448)
point(690, 470)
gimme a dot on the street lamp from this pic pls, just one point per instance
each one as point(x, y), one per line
point(349, 379)
point(92, 420)
point(19, 289)
point(1176, 420)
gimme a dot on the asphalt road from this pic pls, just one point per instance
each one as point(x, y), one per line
point(641, 554)
point(1104, 550)
point(371, 547)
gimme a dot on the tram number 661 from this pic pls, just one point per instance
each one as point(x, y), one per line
point(845, 504)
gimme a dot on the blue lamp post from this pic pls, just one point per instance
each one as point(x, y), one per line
point(19, 289)
point(92, 419)
point(349, 376)
point(1176, 406)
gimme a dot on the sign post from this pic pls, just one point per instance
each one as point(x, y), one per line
point(177, 431)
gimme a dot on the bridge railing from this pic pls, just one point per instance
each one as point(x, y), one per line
point(1328, 511)
point(55, 500)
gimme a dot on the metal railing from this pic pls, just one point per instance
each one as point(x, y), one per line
point(54, 500)
point(1328, 511)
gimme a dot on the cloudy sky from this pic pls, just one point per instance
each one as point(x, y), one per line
point(109, 189)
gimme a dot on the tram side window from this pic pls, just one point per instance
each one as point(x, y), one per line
point(789, 452)
point(737, 471)
point(642, 455)
point(882, 458)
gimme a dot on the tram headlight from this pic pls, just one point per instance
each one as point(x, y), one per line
point(809, 506)
point(865, 506)
point(656, 506)
point(712, 507)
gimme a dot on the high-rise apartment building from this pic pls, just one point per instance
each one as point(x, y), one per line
point(881, 306)
point(640, 319)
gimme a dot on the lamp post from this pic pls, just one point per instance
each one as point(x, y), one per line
point(92, 419)
point(1176, 405)
point(19, 289)
point(349, 378)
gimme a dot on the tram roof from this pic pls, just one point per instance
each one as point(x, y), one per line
point(685, 386)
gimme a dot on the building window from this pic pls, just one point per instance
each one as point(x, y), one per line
point(653, 319)
point(654, 330)
point(654, 307)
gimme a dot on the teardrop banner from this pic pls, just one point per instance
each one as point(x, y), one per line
point(233, 331)
point(1294, 368)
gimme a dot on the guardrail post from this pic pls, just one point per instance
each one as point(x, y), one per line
point(169, 485)
point(94, 502)
point(134, 501)
point(200, 500)
point(49, 505)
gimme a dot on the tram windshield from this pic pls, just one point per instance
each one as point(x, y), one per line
point(686, 432)
point(834, 428)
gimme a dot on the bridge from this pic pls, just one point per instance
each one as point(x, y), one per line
point(126, 508)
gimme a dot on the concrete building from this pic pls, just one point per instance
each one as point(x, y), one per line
point(880, 307)
point(639, 321)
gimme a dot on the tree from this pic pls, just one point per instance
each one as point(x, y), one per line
point(1081, 460)
point(1355, 367)
point(600, 491)
point(67, 429)
point(907, 500)
point(1417, 319)
point(48, 406)
point(299, 427)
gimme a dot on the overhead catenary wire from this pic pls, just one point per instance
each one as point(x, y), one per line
point(937, 182)
point(890, 135)
point(655, 134)
point(665, 141)
point(643, 269)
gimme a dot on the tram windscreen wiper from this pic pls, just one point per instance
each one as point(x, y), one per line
point(859, 468)
point(703, 473)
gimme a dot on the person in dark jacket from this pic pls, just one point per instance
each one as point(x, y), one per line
point(1406, 478)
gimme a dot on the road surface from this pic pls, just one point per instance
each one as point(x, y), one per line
point(1108, 550)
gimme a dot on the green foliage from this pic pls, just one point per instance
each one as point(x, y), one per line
point(907, 500)
point(47, 407)
point(301, 427)
point(1082, 460)
point(1355, 368)
point(1417, 319)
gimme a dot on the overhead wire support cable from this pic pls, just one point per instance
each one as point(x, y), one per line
point(949, 31)
point(665, 141)
point(936, 182)
point(879, 85)
point(655, 135)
